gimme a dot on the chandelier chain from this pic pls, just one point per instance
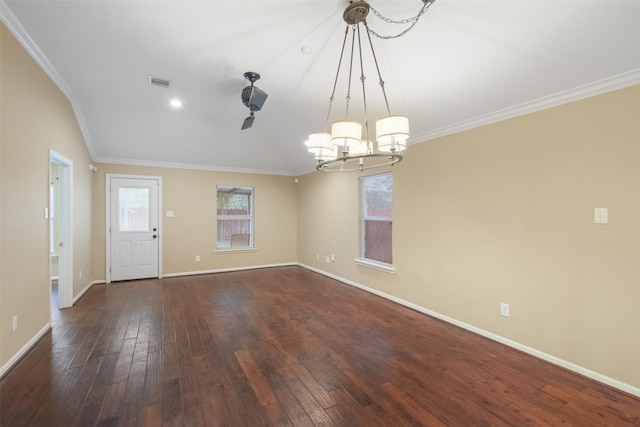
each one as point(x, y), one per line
point(413, 20)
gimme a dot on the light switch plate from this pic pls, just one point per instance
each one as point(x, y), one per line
point(600, 216)
point(169, 214)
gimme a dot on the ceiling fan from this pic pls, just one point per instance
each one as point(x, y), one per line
point(253, 98)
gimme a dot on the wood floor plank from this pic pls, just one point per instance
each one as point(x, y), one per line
point(311, 406)
point(319, 393)
point(258, 383)
point(283, 347)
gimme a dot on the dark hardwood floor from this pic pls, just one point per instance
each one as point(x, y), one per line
point(283, 347)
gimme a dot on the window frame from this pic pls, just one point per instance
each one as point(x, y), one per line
point(250, 217)
point(363, 218)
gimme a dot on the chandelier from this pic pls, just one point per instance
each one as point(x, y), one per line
point(343, 149)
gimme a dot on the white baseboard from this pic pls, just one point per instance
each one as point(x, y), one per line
point(84, 291)
point(628, 388)
point(225, 270)
point(24, 350)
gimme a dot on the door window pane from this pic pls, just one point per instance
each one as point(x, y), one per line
point(134, 209)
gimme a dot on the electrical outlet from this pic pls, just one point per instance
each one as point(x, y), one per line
point(333, 258)
point(600, 216)
point(327, 259)
point(504, 309)
point(14, 321)
point(317, 257)
point(197, 258)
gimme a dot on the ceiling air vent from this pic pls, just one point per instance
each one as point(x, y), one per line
point(156, 81)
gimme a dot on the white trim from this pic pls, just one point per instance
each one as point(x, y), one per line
point(18, 31)
point(226, 270)
point(84, 291)
point(610, 84)
point(190, 166)
point(24, 350)
point(387, 268)
point(234, 250)
point(628, 388)
point(108, 219)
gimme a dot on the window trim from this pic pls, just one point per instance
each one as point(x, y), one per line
point(382, 266)
point(234, 250)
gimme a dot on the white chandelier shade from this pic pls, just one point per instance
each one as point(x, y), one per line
point(362, 149)
point(319, 143)
point(392, 133)
point(346, 133)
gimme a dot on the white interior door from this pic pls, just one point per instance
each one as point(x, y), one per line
point(134, 228)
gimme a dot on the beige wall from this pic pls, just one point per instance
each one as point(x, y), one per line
point(191, 195)
point(504, 213)
point(35, 117)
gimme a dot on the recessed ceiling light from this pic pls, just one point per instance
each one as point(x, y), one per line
point(306, 50)
point(176, 103)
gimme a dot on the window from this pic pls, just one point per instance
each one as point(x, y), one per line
point(376, 195)
point(234, 217)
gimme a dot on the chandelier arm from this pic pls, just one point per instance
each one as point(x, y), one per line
point(375, 60)
point(335, 82)
point(364, 92)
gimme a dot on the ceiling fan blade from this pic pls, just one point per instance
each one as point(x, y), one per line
point(248, 122)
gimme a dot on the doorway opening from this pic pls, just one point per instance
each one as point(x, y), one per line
point(61, 230)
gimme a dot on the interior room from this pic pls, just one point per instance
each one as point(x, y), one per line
point(508, 214)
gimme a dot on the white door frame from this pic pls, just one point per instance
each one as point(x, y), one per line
point(108, 219)
point(65, 224)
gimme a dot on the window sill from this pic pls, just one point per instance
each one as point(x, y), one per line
point(234, 250)
point(387, 268)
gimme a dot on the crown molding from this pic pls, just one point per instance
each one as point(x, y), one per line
point(18, 31)
point(619, 81)
point(191, 166)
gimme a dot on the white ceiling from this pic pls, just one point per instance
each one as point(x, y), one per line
point(464, 64)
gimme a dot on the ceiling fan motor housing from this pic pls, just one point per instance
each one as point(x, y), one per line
point(252, 96)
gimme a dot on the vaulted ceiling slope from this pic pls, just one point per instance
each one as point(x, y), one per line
point(465, 63)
